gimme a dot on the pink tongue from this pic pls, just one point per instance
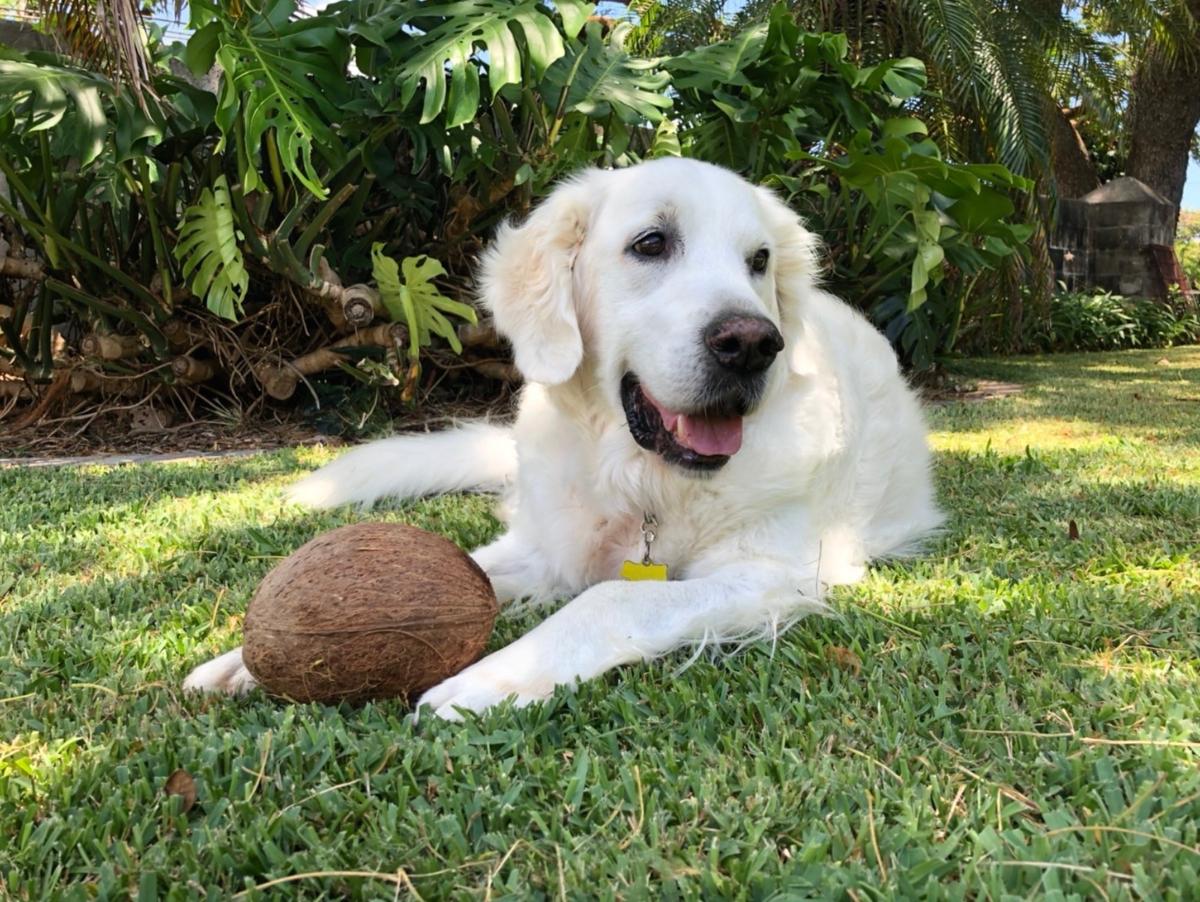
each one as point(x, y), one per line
point(708, 436)
point(715, 435)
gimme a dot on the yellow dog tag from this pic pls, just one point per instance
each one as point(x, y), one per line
point(634, 570)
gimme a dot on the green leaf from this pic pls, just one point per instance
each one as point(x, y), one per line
point(903, 127)
point(977, 212)
point(903, 77)
point(720, 64)
point(416, 301)
point(599, 77)
point(666, 140)
point(574, 15)
point(929, 225)
point(391, 292)
point(458, 37)
point(136, 129)
point(201, 49)
point(210, 253)
point(926, 261)
point(40, 94)
point(287, 80)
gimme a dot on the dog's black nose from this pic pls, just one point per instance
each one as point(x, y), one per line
point(744, 344)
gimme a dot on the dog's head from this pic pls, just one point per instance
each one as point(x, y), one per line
point(672, 284)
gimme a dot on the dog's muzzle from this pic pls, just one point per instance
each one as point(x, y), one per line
point(701, 440)
point(740, 349)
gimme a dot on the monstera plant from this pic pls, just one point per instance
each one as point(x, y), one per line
point(281, 184)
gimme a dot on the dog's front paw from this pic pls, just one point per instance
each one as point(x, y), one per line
point(485, 684)
point(226, 674)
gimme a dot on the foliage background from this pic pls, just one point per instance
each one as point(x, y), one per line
point(238, 211)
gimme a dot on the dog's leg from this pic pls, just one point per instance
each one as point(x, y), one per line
point(618, 622)
point(226, 674)
point(518, 570)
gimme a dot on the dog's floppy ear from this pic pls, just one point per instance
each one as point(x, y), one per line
point(797, 270)
point(527, 282)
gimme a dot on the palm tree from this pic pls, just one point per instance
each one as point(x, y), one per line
point(1164, 90)
point(107, 36)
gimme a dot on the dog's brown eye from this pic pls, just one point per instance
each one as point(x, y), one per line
point(758, 262)
point(652, 244)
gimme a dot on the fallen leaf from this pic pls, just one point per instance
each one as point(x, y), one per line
point(1073, 531)
point(844, 658)
point(181, 784)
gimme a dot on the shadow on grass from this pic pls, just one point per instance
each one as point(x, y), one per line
point(46, 498)
point(1130, 393)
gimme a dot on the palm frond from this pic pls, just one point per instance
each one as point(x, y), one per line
point(108, 37)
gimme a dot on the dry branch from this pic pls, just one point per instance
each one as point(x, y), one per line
point(61, 379)
point(181, 336)
point(360, 305)
point(6, 312)
point(110, 347)
point(355, 306)
point(280, 381)
point(88, 382)
point(497, 369)
point(189, 370)
point(14, 388)
point(481, 334)
point(19, 268)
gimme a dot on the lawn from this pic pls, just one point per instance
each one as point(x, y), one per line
point(1017, 713)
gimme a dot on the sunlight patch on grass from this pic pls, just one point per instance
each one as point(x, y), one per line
point(1013, 435)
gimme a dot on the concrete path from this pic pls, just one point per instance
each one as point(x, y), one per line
point(113, 460)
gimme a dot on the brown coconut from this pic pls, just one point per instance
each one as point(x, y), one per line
point(371, 610)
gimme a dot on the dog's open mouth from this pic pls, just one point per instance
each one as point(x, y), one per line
point(703, 440)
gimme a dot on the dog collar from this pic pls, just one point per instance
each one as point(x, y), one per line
point(646, 569)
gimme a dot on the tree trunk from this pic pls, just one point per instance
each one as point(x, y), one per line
point(1074, 173)
point(1164, 108)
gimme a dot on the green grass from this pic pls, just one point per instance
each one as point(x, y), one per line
point(1015, 714)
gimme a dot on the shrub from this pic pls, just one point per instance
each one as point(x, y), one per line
point(1187, 246)
point(909, 235)
point(1103, 321)
point(232, 233)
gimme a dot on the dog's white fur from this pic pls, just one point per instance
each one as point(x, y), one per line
point(833, 471)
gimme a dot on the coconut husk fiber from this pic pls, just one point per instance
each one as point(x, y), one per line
point(371, 610)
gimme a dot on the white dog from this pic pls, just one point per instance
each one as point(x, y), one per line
point(693, 400)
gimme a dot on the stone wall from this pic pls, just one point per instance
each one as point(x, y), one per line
point(21, 36)
point(1107, 239)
